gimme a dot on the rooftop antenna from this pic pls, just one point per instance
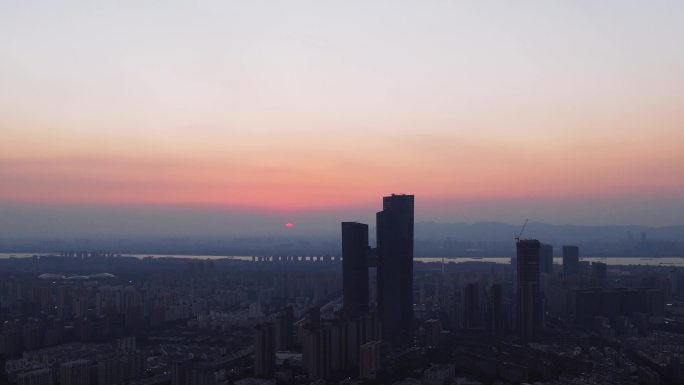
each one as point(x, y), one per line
point(520, 233)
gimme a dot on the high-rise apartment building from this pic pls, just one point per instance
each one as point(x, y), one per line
point(284, 329)
point(370, 359)
point(571, 264)
point(546, 259)
point(530, 316)
point(264, 350)
point(471, 300)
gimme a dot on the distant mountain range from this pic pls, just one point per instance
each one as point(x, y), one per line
point(431, 239)
point(496, 231)
point(497, 239)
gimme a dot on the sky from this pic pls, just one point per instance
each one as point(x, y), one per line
point(310, 111)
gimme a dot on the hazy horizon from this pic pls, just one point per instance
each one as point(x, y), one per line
point(107, 221)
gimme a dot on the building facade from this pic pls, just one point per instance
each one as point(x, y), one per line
point(395, 267)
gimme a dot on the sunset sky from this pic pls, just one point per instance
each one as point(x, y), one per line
point(564, 112)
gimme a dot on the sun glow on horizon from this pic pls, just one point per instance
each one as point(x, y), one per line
point(273, 109)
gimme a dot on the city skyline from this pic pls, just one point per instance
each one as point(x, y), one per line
point(396, 192)
point(485, 111)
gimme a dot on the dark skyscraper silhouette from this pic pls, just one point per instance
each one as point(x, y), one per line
point(599, 270)
point(529, 297)
point(495, 316)
point(284, 329)
point(571, 260)
point(395, 267)
point(264, 350)
point(354, 268)
point(546, 259)
point(471, 318)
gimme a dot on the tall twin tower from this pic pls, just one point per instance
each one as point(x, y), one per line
point(393, 259)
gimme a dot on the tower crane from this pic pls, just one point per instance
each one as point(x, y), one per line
point(520, 233)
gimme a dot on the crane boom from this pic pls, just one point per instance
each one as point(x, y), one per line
point(520, 233)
